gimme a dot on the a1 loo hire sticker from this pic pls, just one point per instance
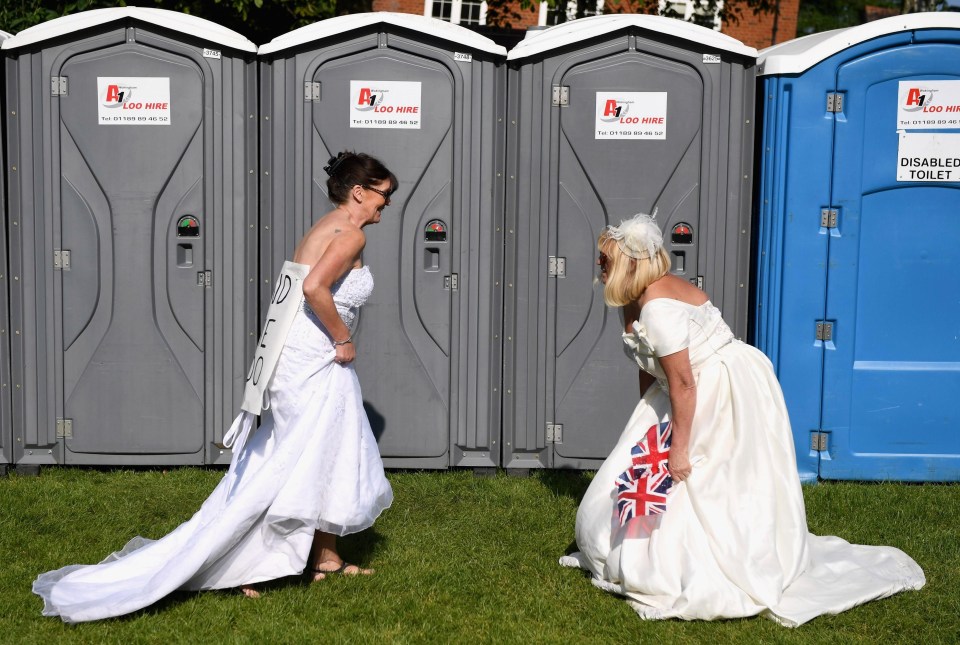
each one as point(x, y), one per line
point(126, 100)
point(928, 105)
point(631, 115)
point(385, 104)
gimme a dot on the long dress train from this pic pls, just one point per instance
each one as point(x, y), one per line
point(312, 464)
point(733, 538)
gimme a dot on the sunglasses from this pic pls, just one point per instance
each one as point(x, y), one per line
point(383, 193)
point(603, 260)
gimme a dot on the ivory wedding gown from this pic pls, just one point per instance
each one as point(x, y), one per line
point(732, 540)
point(313, 464)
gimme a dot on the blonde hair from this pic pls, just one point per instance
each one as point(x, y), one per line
point(627, 277)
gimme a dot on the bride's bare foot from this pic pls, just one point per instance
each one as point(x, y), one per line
point(249, 591)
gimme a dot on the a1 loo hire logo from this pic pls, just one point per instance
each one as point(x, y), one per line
point(117, 95)
point(917, 99)
point(369, 99)
point(613, 110)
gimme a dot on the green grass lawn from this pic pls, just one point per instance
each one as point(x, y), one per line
point(459, 558)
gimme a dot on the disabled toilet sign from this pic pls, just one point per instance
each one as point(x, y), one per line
point(928, 156)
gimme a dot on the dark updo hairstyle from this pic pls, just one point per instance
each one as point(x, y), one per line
point(349, 169)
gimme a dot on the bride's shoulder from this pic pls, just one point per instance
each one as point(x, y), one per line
point(672, 290)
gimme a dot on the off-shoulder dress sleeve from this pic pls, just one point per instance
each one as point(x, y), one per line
point(667, 323)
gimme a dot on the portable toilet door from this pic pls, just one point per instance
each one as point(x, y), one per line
point(6, 432)
point(610, 116)
point(132, 215)
point(426, 98)
point(860, 205)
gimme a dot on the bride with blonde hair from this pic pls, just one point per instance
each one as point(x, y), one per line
point(698, 513)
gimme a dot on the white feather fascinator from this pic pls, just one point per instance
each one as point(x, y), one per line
point(638, 237)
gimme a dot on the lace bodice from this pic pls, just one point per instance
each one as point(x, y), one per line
point(667, 326)
point(349, 294)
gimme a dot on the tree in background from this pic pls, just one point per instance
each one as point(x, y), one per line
point(823, 15)
point(263, 20)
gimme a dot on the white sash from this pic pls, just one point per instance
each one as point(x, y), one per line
point(284, 305)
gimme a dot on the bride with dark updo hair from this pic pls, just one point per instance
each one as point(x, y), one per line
point(309, 473)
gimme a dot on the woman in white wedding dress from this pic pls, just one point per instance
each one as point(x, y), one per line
point(698, 512)
point(309, 473)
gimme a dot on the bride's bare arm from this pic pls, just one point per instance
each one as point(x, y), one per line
point(338, 258)
point(683, 403)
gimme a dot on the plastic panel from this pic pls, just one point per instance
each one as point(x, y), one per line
point(428, 355)
point(791, 271)
point(894, 369)
point(879, 384)
point(563, 356)
point(6, 429)
point(147, 364)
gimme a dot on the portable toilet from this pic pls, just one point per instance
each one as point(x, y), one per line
point(426, 98)
point(859, 209)
point(131, 145)
point(610, 116)
point(6, 433)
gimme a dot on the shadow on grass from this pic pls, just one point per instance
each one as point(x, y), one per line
point(569, 483)
point(359, 548)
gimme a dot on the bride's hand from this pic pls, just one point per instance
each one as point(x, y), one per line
point(679, 466)
point(346, 353)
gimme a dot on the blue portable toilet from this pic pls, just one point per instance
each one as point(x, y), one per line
point(858, 220)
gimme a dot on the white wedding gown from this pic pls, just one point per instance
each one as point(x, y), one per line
point(733, 539)
point(312, 464)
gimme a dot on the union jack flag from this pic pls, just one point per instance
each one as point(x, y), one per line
point(652, 453)
point(643, 495)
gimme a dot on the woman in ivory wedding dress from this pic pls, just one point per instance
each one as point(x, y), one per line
point(698, 512)
point(309, 473)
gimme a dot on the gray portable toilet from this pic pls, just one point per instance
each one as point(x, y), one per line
point(427, 98)
point(131, 141)
point(6, 432)
point(610, 116)
point(858, 222)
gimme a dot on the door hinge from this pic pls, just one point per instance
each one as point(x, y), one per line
point(61, 260)
point(828, 217)
point(451, 282)
point(64, 428)
point(556, 267)
point(311, 91)
point(554, 433)
point(834, 102)
point(204, 278)
point(819, 441)
point(824, 330)
point(561, 95)
point(58, 86)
